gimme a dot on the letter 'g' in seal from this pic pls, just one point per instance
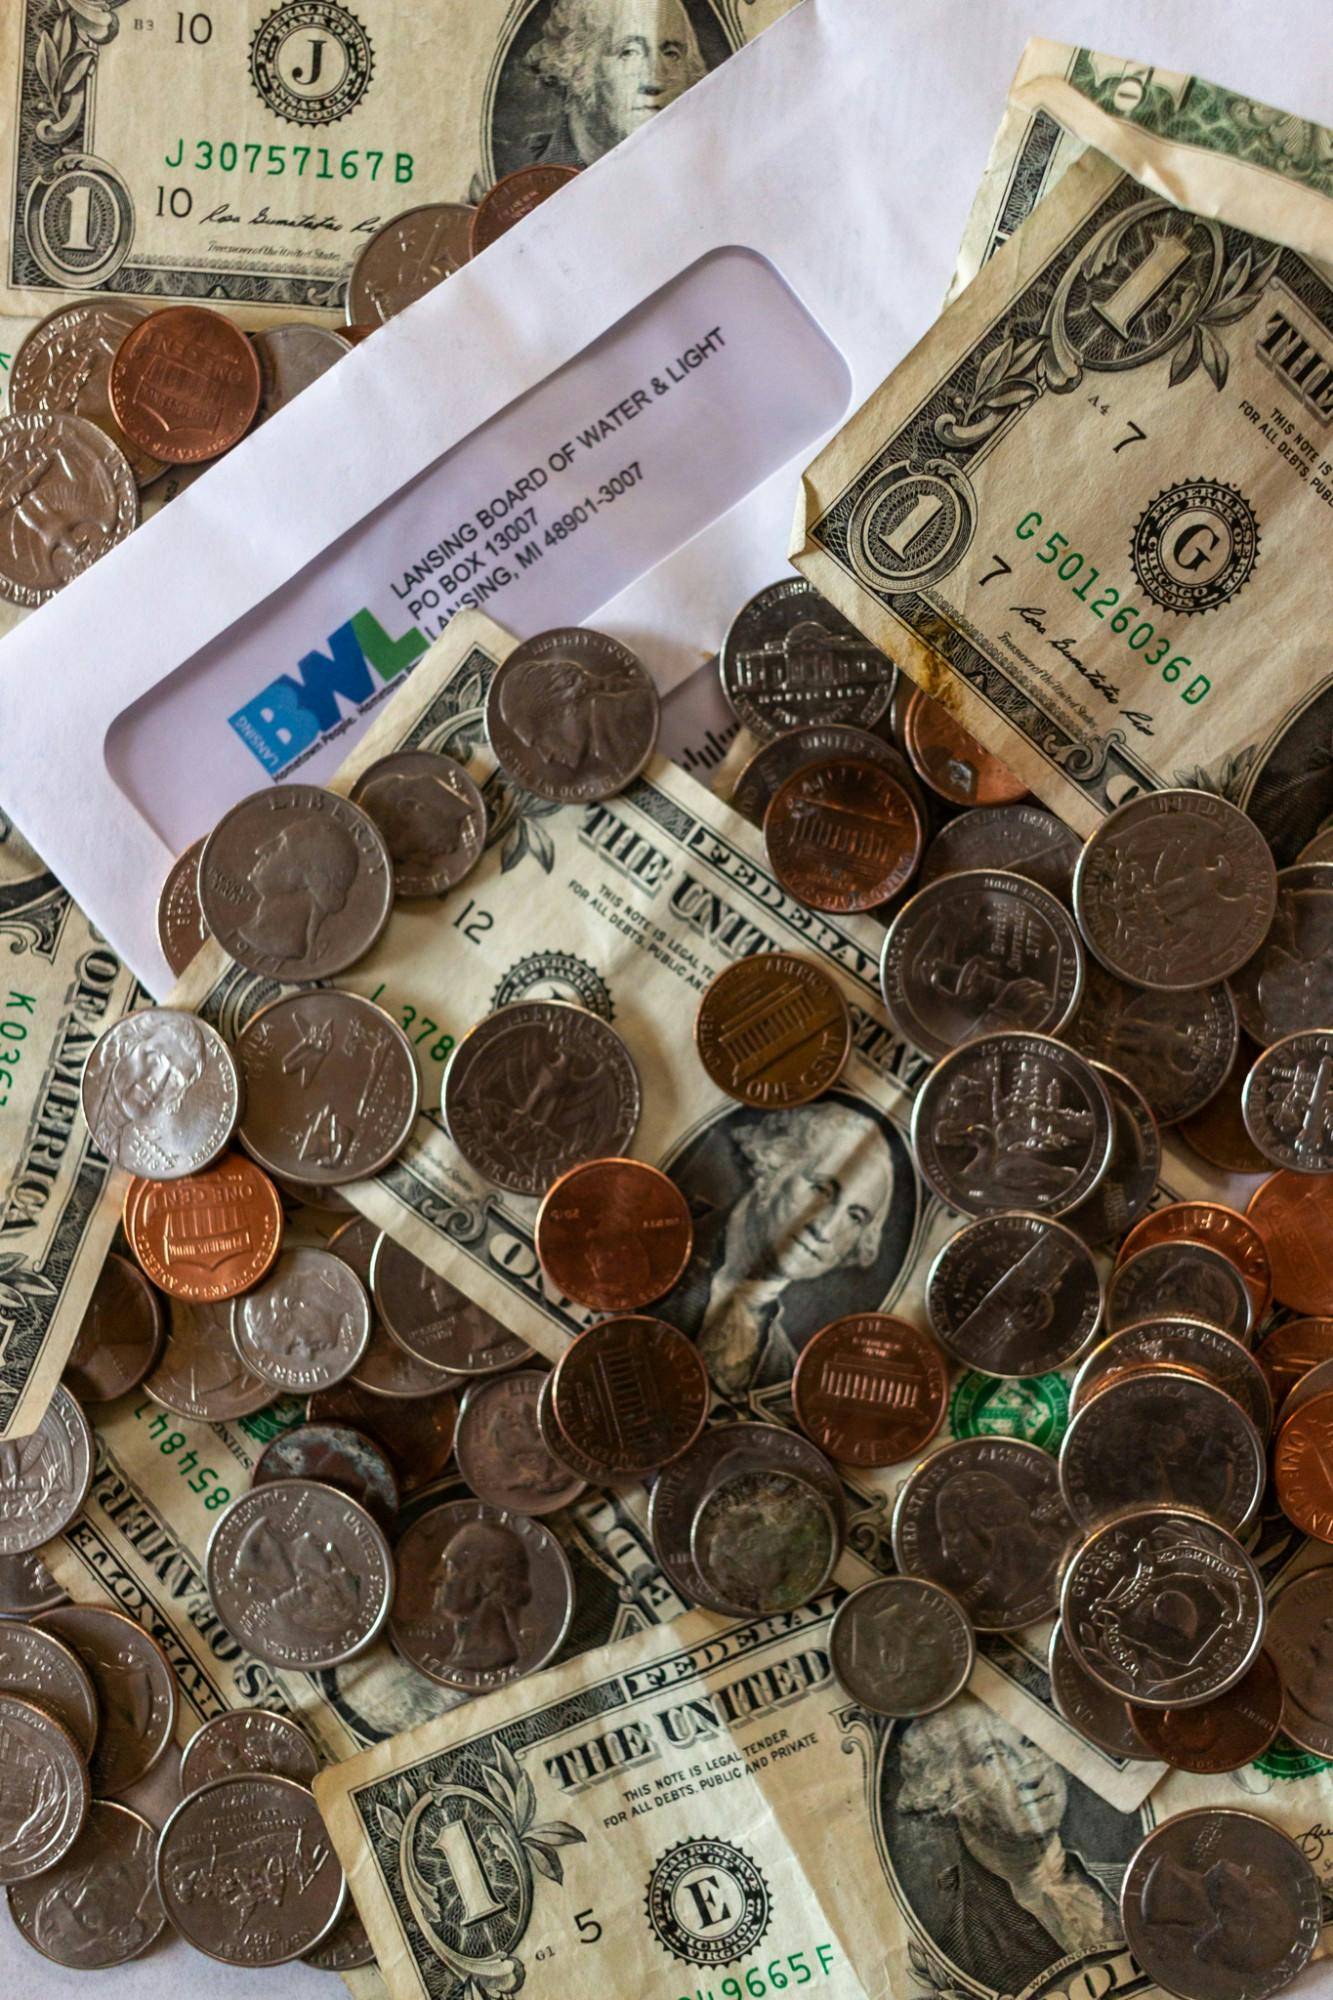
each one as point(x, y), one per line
point(707, 1902)
point(1195, 546)
point(311, 62)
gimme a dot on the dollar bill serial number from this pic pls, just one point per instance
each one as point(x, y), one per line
point(174, 1445)
point(780, 1975)
point(272, 162)
point(17, 1011)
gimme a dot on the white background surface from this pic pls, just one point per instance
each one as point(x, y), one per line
point(956, 58)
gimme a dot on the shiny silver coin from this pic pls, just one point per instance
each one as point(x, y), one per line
point(1012, 1121)
point(44, 1478)
point(1175, 889)
point(40, 1668)
point(572, 715)
point(1219, 1904)
point(290, 359)
point(337, 1455)
point(345, 1949)
point(1163, 1607)
point(1023, 838)
point(407, 258)
point(1175, 1342)
point(1288, 985)
point(1126, 1188)
point(500, 1449)
point(1014, 1294)
point(296, 883)
point(976, 953)
point(200, 1374)
point(225, 1841)
point(299, 1574)
point(44, 1790)
point(1287, 1102)
point(537, 1087)
point(1180, 1280)
point(774, 762)
point(790, 659)
point(306, 1325)
point(26, 1585)
point(64, 365)
point(71, 496)
point(331, 1087)
point(764, 1542)
point(484, 1596)
point(161, 1093)
point(1086, 1706)
point(1176, 1048)
point(181, 930)
point(1162, 1437)
point(135, 1688)
point(120, 1335)
point(984, 1516)
point(247, 1741)
point(432, 817)
point(901, 1646)
point(1300, 1640)
point(435, 1322)
point(99, 1905)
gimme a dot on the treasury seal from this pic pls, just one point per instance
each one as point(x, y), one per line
point(1195, 546)
point(707, 1902)
point(311, 61)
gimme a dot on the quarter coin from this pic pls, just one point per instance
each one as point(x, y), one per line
point(64, 366)
point(290, 359)
point(135, 1688)
point(44, 1477)
point(200, 1373)
point(1014, 1294)
point(514, 196)
point(484, 1596)
point(431, 815)
point(299, 1574)
point(901, 1646)
point(81, 500)
point(1162, 1437)
point(208, 1236)
point(1086, 1706)
point(345, 1949)
point(789, 660)
point(161, 1093)
point(773, 1030)
point(984, 1516)
point(336, 1455)
point(119, 1337)
point(1287, 1102)
point(247, 1740)
point(1293, 1216)
point(572, 715)
point(26, 1585)
point(1219, 1735)
point(1185, 1344)
point(38, 1667)
point(1181, 1279)
point(1025, 838)
point(184, 385)
point(631, 1394)
point(1126, 1188)
point(331, 1087)
point(46, 1790)
point(99, 1905)
point(407, 258)
point(614, 1234)
point(1177, 1048)
point(306, 1325)
point(501, 1451)
point(1302, 1473)
point(764, 1542)
point(870, 1389)
point(1287, 986)
point(1300, 1639)
point(951, 760)
point(774, 762)
point(1222, 1228)
point(221, 1841)
point(1217, 1131)
point(429, 1319)
point(842, 835)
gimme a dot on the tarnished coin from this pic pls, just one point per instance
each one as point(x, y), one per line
point(247, 1872)
point(773, 763)
point(70, 496)
point(1217, 1131)
point(764, 1542)
point(44, 1478)
point(64, 365)
point(300, 1574)
point(1211, 1222)
point(1175, 889)
point(976, 952)
point(500, 1449)
point(632, 1393)
point(870, 1389)
point(181, 930)
point(387, 1369)
point(336, 1455)
point(161, 1093)
point(789, 659)
point(331, 1087)
point(26, 1585)
point(431, 815)
point(1293, 1216)
point(428, 1318)
point(120, 1335)
point(575, 1463)
point(901, 1646)
point(842, 835)
point(416, 1433)
point(1287, 1102)
point(773, 1030)
point(1125, 1189)
point(1012, 1121)
point(99, 1905)
point(184, 384)
point(1181, 1279)
point(614, 1234)
point(1288, 984)
point(1291, 1351)
point(1086, 1706)
point(296, 883)
point(40, 1668)
point(1164, 1341)
point(200, 1373)
point(1320, 848)
point(247, 1740)
point(1014, 1294)
point(484, 1596)
point(1219, 1904)
point(1219, 1735)
point(514, 196)
point(535, 1088)
point(306, 1325)
point(1302, 1472)
point(951, 760)
point(1162, 1437)
point(572, 715)
point(345, 1949)
point(407, 258)
point(208, 1236)
point(1163, 1607)
point(984, 1516)
point(135, 1688)
point(1024, 838)
point(290, 359)
point(1300, 1639)
point(1177, 1048)
point(44, 1790)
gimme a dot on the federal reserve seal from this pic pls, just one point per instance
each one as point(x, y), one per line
point(556, 975)
point(707, 1902)
point(1195, 546)
point(1032, 1407)
point(311, 62)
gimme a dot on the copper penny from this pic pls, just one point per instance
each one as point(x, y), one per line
point(417, 1436)
point(1222, 1228)
point(513, 197)
point(119, 1337)
point(206, 1236)
point(1219, 1735)
point(1217, 1131)
point(1294, 1215)
point(870, 1389)
point(576, 1463)
point(773, 1030)
point(502, 1452)
point(185, 384)
point(842, 835)
point(1292, 1350)
point(614, 1234)
point(951, 760)
point(1303, 1467)
point(631, 1394)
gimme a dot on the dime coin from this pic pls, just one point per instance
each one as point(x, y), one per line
point(576, 1463)
point(296, 883)
point(1185, 1344)
point(1024, 838)
point(1162, 1437)
point(416, 1433)
point(1175, 889)
point(46, 1790)
point(514, 196)
point(484, 1596)
point(1014, 1294)
point(632, 1394)
point(1219, 1735)
point(331, 1084)
point(161, 1093)
point(431, 1321)
point(984, 1517)
point(181, 930)
point(1287, 1102)
point(773, 1030)
point(1288, 984)
point(119, 1335)
point(1125, 1189)
point(64, 365)
point(842, 835)
point(135, 1688)
point(572, 715)
point(44, 1478)
point(817, 741)
point(537, 1087)
point(224, 1840)
point(1163, 1607)
point(345, 1949)
point(26, 1585)
point(306, 1325)
point(1012, 1121)
point(185, 384)
point(870, 1389)
point(290, 359)
point(1300, 1639)
point(500, 1449)
point(789, 660)
point(299, 1574)
point(40, 1668)
point(1180, 1278)
point(431, 815)
point(976, 952)
point(951, 761)
point(901, 1646)
point(209, 1236)
point(1223, 1228)
point(200, 1373)
point(1291, 1351)
point(1086, 1706)
point(764, 1542)
point(1302, 1474)
point(336, 1455)
point(1252, 1903)
point(1217, 1131)
point(1177, 1048)
point(71, 496)
point(407, 258)
point(247, 1740)
point(99, 1905)
point(614, 1234)
point(1293, 1216)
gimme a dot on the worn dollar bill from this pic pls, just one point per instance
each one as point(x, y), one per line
point(243, 151)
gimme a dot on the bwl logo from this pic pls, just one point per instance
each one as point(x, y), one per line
point(290, 718)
